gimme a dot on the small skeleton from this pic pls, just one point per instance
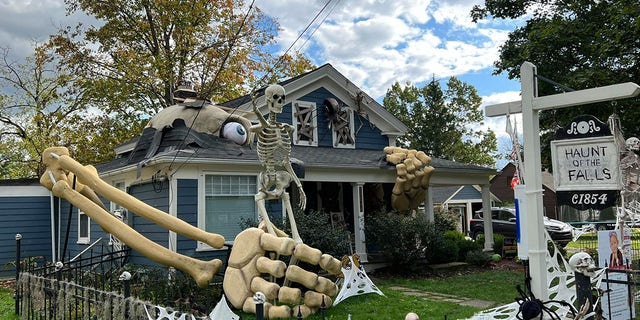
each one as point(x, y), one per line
point(274, 150)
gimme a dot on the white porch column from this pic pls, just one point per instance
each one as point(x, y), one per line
point(358, 220)
point(428, 205)
point(173, 210)
point(488, 219)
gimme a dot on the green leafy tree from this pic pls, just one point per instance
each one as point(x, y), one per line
point(92, 88)
point(141, 49)
point(577, 43)
point(444, 123)
point(39, 108)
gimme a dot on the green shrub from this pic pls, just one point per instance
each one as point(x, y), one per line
point(402, 240)
point(478, 257)
point(445, 220)
point(316, 231)
point(466, 246)
point(444, 249)
point(498, 243)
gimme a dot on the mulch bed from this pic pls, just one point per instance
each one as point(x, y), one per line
point(8, 283)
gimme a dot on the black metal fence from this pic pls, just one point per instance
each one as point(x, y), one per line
point(100, 284)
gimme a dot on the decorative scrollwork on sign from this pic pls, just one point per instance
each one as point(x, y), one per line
point(583, 127)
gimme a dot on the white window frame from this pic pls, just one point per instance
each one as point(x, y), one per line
point(120, 185)
point(313, 122)
point(202, 208)
point(334, 134)
point(82, 239)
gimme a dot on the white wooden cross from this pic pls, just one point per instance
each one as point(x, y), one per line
point(529, 106)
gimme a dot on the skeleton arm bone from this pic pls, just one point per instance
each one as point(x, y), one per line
point(201, 271)
point(303, 197)
point(263, 121)
point(90, 178)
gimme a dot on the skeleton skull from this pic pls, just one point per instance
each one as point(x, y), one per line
point(582, 262)
point(633, 144)
point(274, 97)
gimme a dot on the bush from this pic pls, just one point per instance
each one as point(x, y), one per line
point(444, 249)
point(466, 246)
point(316, 231)
point(478, 257)
point(498, 243)
point(402, 240)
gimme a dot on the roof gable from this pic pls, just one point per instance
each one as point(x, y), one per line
point(329, 78)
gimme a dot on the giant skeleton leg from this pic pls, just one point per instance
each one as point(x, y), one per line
point(60, 167)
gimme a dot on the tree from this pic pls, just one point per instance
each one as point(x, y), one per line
point(93, 88)
point(443, 123)
point(39, 108)
point(143, 48)
point(577, 43)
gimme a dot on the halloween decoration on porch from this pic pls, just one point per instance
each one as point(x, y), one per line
point(62, 172)
point(274, 151)
point(413, 174)
point(249, 263)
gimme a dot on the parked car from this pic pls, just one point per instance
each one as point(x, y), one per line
point(504, 223)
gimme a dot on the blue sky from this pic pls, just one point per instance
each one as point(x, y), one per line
point(374, 43)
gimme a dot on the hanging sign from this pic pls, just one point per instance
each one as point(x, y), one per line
point(585, 161)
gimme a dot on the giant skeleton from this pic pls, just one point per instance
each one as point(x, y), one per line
point(256, 252)
point(274, 151)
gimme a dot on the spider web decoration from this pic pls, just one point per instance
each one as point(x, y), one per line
point(222, 311)
point(560, 281)
point(356, 281)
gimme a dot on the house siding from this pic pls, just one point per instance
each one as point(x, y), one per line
point(468, 193)
point(368, 136)
point(29, 216)
point(157, 197)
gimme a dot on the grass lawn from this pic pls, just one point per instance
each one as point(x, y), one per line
point(491, 285)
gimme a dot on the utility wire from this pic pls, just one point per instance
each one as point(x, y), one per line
point(271, 70)
point(217, 74)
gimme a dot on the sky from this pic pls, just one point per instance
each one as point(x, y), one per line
point(374, 43)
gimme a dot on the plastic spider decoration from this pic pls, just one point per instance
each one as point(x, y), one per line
point(531, 307)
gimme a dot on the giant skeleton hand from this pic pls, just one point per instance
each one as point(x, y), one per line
point(249, 264)
point(59, 177)
point(413, 175)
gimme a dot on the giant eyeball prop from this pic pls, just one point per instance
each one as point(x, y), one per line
point(235, 132)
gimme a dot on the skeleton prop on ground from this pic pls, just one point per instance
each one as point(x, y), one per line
point(59, 177)
point(274, 151)
point(249, 263)
point(413, 174)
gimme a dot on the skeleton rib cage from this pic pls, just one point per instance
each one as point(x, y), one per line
point(273, 146)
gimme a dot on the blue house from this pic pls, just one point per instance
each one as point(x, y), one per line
point(210, 182)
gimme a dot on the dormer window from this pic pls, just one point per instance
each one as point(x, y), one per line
point(305, 123)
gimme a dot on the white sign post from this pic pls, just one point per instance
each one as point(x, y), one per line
point(530, 105)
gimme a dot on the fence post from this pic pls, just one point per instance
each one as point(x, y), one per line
point(16, 292)
point(583, 290)
point(259, 298)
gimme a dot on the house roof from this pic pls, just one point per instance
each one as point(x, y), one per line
point(179, 144)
